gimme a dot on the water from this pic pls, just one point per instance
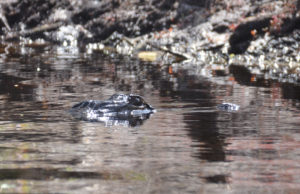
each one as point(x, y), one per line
point(187, 146)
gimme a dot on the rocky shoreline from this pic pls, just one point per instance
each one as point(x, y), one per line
point(262, 36)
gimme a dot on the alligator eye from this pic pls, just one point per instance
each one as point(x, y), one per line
point(92, 104)
point(117, 98)
point(136, 101)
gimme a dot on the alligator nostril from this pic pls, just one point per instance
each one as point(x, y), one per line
point(150, 107)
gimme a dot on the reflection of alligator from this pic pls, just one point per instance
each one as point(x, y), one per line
point(119, 109)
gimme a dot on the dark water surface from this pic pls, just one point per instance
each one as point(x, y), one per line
point(187, 146)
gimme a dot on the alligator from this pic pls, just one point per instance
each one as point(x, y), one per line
point(119, 109)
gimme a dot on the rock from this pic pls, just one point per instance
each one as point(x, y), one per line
point(245, 33)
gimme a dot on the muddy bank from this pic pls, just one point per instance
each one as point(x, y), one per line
point(261, 35)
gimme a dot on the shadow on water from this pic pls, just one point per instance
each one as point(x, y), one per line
point(203, 129)
point(10, 86)
point(244, 77)
point(39, 137)
point(50, 174)
point(73, 135)
point(290, 91)
point(219, 179)
point(201, 124)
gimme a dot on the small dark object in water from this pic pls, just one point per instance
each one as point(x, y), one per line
point(119, 109)
point(228, 107)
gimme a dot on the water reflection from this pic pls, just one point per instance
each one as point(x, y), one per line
point(291, 91)
point(187, 146)
point(249, 140)
point(124, 121)
point(201, 124)
point(46, 174)
point(38, 132)
point(11, 88)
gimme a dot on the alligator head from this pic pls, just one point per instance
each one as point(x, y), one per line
point(119, 109)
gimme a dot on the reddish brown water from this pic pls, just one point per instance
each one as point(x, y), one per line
point(188, 146)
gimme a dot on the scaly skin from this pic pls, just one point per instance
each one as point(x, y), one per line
point(119, 107)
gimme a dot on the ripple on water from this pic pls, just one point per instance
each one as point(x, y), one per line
point(188, 145)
